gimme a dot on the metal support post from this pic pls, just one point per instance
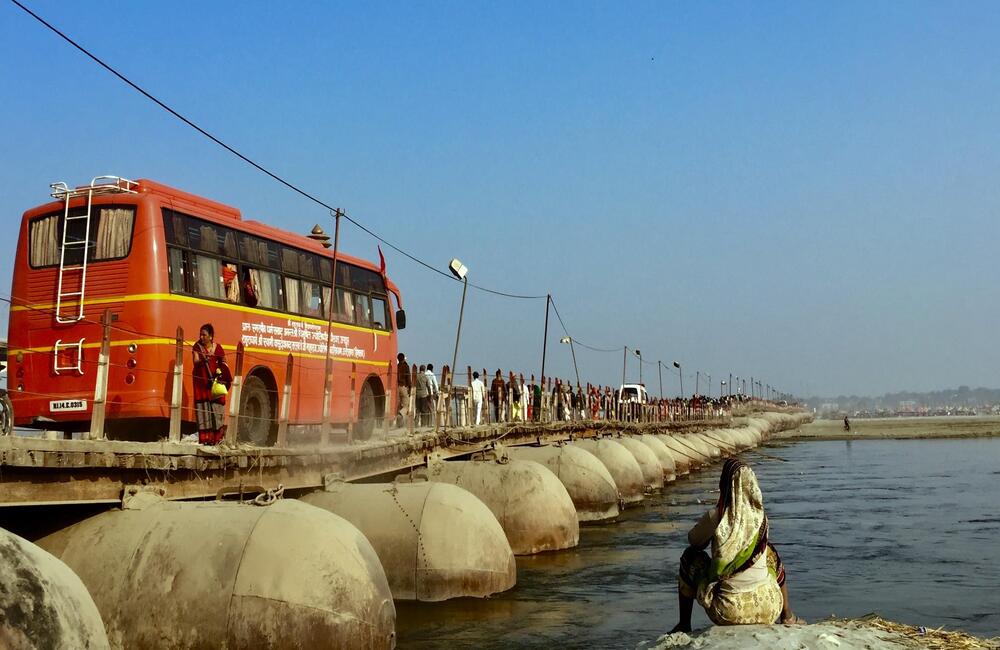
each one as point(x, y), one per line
point(177, 389)
point(286, 404)
point(101, 383)
point(234, 397)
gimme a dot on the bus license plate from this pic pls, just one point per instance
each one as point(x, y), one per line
point(68, 405)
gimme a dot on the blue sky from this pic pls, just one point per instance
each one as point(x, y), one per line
point(802, 192)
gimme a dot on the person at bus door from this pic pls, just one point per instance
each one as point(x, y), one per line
point(478, 390)
point(209, 365)
point(229, 283)
point(402, 387)
point(497, 396)
point(741, 581)
point(434, 390)
point(249, 295)
point(423, 396)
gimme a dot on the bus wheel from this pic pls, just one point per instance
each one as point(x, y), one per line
point(366, 413)
point(256, 413)
point(6, 415)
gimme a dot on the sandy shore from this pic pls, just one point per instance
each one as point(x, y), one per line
point(869, 633)
point(896, 428)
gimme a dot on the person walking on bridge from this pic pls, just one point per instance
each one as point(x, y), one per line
point(498, 395)
point(423, 390)
point(478, 390)
point(434, 388)
point(402, 388)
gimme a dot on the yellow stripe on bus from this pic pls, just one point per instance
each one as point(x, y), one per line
point(172, 342)
point(170, 297)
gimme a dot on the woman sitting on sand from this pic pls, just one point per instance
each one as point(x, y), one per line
point(743, 582)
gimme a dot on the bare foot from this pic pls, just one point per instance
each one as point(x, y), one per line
point(792, 619)
point(680, 627)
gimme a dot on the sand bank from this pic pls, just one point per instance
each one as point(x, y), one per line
point(896, 428)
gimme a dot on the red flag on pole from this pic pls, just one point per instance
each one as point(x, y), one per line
point(381, 261)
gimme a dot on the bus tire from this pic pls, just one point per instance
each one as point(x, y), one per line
point(366, 413)
point(6, 415)
point(257, 424)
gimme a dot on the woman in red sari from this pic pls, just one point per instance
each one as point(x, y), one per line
point(209, 365)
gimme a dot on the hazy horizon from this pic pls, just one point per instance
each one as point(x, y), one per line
point(802, 193)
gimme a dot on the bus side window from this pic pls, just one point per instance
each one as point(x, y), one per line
point(345, 308)
point(362, 310)
point(268, 287)
point(208, 277)
point(177, 270)
point(293, 295)
point(380, 313)
point(312, 302)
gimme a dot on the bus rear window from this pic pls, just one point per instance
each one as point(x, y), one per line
point(109, 236)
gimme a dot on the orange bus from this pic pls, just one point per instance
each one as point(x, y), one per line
point(159, 258)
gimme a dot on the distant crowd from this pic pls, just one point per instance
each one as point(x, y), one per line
point(515, 399)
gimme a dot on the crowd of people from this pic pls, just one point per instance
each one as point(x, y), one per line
point(512, 398)
point(506, 399)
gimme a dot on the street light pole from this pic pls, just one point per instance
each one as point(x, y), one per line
point(545, 338)
point(659, 371)
point(624, 360)
point(680, 376)
point(460, 271)
point(722, 387)
point(639, 354)
point(697, 378)
point(710, 385)
point(569, 339)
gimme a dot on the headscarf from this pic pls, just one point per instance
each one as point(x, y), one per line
point(741, 536)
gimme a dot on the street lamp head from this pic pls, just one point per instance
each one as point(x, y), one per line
point(677, 365)
point(458, 269)
point(565, 339)
point(638, 353)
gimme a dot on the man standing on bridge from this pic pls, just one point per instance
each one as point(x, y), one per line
point(478, 393)
point(402, 387)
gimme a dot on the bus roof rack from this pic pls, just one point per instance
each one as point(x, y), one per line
point(99, 185)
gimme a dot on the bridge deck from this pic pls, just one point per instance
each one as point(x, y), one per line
point(38, 471)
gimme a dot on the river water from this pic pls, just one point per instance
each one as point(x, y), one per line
point(906, 528)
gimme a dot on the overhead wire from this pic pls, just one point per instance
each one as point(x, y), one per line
point(575, 340)
point(295, 188)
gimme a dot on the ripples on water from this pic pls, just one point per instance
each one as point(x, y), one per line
point(910, 529)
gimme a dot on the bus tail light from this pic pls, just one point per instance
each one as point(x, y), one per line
point(130, 378)
point(131, 363)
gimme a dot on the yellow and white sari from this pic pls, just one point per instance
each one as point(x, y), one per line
point(740, 583)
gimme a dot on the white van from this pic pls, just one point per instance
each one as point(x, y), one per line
point(634, 393)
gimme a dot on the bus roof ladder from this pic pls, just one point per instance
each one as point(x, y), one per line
point(98, 185)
